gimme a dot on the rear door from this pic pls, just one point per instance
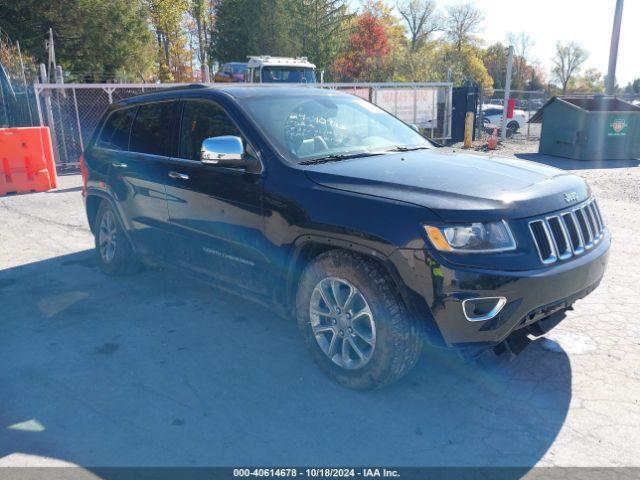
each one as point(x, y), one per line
point(138, 177)
point(215, 211)
point(112, 143)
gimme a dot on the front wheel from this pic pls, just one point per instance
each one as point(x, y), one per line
point(354, 323)
point(513, 127)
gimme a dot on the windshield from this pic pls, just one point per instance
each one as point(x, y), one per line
point(239, 69)
point(307, 127)
point(288, 75)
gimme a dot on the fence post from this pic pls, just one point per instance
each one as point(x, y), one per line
point(51, 125)
point(415, 104)
point(434, 111)
point(480, 122)
point(36, 90)
point(75, 104)
point(507, 87)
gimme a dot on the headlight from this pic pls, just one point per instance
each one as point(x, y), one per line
point(472, 238)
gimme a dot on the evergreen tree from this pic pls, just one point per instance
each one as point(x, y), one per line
point(95, 40)
point(320, 29)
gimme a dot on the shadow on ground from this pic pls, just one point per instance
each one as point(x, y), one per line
point(157, 370)
point(570, 164)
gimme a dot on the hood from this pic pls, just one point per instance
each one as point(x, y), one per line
point(456, 187)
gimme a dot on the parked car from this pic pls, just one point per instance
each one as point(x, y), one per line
point(492, 114)
point(340, 215)
point(267, 69)
point(232, 72)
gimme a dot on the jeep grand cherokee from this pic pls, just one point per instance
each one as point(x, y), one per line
point(339, 214)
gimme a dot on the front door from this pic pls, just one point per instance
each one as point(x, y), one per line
point(216, 212)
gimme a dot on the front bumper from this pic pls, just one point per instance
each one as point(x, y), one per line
point(436, 291)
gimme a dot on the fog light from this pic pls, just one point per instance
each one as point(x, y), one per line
point(482, 308)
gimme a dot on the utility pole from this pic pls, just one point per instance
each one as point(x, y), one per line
point(613, 51)
point(507, 93)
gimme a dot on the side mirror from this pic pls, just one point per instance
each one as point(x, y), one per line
point(224, 151)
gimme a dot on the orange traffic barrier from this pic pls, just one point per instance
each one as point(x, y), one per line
point(26, 160)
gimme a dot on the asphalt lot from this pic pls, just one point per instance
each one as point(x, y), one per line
point(156, 369)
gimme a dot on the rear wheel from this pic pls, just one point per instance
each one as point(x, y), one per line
point(513, 127)
point(355, 325)
point(114, 252)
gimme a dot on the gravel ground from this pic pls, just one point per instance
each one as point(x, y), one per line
point(156, 370)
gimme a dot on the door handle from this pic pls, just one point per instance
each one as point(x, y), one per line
point(119, 165)
point(179, 176)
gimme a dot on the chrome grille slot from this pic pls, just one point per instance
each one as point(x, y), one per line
point(559, 237)
point(584, 228)
point(543, 241)
point(571, 224)
point(596, 217)
point(597, 208)
point(592, 221)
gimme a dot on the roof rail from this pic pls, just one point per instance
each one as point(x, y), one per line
point(183, 87)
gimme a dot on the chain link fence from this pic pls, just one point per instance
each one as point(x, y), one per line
point(17, 100)
point(72, 111)
point(527, 103)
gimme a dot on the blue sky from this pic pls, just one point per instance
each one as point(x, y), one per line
point(587, 22)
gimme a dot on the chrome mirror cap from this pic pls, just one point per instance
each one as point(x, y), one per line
point(226, 150)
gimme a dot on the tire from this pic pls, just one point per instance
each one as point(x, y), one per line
point(396, 339)
point(121, 260)
point(513, 126)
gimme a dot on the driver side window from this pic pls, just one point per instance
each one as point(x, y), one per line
point(201, 120)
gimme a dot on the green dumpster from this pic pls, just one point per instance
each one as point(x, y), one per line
point(589, 128)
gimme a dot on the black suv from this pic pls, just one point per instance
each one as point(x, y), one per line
point(336, 212)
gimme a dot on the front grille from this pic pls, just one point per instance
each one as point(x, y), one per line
point(569, 233)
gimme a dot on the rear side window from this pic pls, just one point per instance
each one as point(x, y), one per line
point(201, 120)
point(152, 129)
point(115, 134)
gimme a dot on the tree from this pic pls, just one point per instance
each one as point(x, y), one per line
point(95, 40)
point(537, 80)
point(567, 61)
point(495, 61)
point(320, 29)
point(200, 12)
point(317, 29)
point(460, 66)
point(253, 27)
point(396, 37)
point(522, 43)
point(235, 35)
point(166, 17)
point(461, 25)
point(421, 20)
point(592, 81)
point(633, 87)
point(366, 52)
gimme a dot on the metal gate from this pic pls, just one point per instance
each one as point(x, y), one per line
point(72, 111)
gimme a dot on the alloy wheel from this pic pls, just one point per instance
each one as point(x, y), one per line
point(342, 323)
point(107, 237)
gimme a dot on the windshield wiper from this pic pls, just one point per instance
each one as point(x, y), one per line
point(337, 157)
point(402, 148)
